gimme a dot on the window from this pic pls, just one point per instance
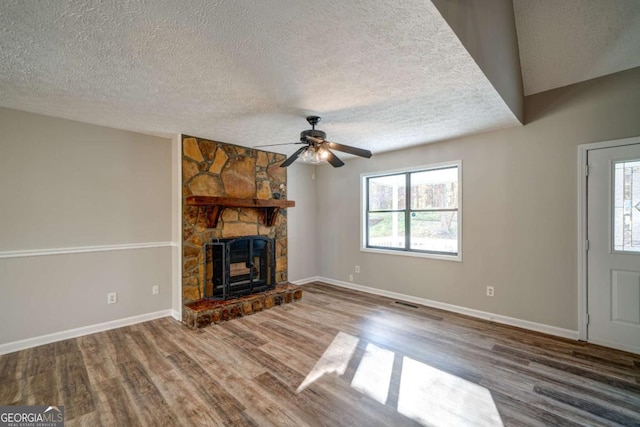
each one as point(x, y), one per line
point(626, 206)
point(414, 212)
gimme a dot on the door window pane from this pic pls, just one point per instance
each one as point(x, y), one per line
point(626, 206)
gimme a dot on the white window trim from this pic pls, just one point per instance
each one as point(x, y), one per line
point(363, 212)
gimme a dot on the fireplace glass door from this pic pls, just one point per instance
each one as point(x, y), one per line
point(239, 266)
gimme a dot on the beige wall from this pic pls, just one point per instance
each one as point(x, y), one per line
point(519, 207)
point(65, 184)
point(302, 222)
point(48, 294)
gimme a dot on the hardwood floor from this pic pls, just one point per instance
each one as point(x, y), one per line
point(329, 359)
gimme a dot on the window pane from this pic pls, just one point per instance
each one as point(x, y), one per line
point(434, 231)
point(386, 229)
point(626, 206)
point(387, 192)
point(435, 189)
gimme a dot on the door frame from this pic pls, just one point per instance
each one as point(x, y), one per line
point(582, 171)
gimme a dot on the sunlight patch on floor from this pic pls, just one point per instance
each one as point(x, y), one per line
point(436, 398)
point(426, 394)
point(373, 375)
point(335, 359)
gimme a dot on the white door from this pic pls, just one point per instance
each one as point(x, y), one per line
point(613, 257)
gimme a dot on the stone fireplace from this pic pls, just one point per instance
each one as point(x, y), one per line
point(226, 173)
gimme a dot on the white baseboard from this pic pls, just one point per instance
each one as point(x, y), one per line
point(78, 332)
point(176, 315)
point(306, 280)
point(512, 321)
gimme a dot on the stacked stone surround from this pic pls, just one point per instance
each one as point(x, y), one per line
point(206, 312)
point(216, 169)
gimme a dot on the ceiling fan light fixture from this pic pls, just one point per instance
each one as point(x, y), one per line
point(314, 155)
point(310, 155)
point(306, 156)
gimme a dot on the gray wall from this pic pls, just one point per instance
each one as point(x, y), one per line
point(519, 207)
point(302, 222)
point(487, 29)
point(65, 184)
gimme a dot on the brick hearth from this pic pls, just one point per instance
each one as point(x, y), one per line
point(201, 313)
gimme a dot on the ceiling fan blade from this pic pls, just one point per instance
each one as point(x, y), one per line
point(333, 159)
point(275, 145)
point(348, 149)
point(292, 158)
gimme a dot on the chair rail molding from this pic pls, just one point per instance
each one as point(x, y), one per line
point(83, 249)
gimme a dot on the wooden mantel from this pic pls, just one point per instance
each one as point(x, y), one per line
point(213, 207)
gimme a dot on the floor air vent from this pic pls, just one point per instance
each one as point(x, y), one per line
point(407, 304)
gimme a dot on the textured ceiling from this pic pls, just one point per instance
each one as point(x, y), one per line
point(383, 75)
point(569, 41)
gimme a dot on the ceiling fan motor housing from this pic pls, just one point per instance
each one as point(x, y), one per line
point(313, 133)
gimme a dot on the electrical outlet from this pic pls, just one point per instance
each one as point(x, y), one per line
point(351, 277)
point(357, 269)
point(490, 291)
point(112, 298)
point(155, 289)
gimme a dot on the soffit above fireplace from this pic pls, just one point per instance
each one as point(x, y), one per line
point(213, 207)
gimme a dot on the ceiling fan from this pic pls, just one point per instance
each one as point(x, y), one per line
point(317, 148)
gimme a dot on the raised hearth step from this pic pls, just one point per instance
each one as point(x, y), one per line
point(204, 312)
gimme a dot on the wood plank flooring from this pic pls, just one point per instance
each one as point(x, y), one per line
point(364, 359)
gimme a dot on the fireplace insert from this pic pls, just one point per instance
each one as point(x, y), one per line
point(238, 266)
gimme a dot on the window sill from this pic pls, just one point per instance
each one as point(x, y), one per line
point(442, 257)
